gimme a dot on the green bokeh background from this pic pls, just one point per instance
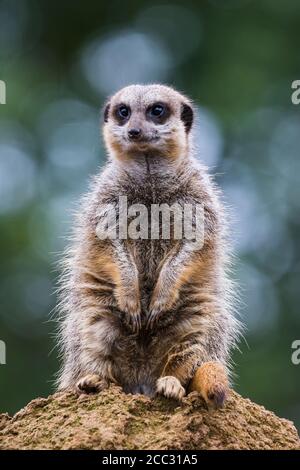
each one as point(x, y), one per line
point(237, 59)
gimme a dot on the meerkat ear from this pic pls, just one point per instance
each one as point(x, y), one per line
point(187, 116)
point(106, 111)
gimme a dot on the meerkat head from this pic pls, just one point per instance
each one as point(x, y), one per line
point(147, 120)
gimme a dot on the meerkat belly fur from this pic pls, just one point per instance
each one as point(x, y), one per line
point(151, 315)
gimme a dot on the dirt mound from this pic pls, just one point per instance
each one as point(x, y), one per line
point(113, 420)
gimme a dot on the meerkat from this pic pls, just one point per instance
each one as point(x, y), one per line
point(154, 316)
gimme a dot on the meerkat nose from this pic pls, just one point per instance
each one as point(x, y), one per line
point(134, 133)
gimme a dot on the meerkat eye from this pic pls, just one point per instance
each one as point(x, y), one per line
point(157, 110)
point(123, 111)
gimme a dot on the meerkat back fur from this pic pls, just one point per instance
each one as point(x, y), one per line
point(151, 315)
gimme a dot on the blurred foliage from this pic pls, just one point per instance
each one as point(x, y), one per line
point(237, 60)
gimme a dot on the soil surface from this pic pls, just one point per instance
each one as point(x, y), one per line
point(113, 420)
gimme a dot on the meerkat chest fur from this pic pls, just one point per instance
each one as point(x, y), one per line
point(152, 189)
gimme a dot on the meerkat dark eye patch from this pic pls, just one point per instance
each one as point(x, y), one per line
point(106, 112)
point(158, 112)
point(187, 116)
point(122, 113)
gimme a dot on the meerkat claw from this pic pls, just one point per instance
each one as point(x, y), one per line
point(136, 323)
point(133, 322)
point(153, 318)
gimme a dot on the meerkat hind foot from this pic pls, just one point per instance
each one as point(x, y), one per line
point(91, 383)
point(170, 387)
point(211, 381)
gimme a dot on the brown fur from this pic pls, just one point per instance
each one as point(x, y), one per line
point(148, 314)
point(211, 381)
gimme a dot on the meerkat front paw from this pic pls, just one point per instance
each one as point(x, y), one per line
point(91, 383)
point(130, 306)
point(211, 381)
point(159, 304)
point(170, 387)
